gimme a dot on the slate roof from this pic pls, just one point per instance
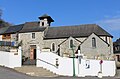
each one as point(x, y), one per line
point(57, 32)
point(31, 27)
point(22, 28)
point(116, 44)
point(14, 29)
point(75, 31)
point(3, 29)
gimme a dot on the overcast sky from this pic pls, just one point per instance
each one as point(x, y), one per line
point(105, 13)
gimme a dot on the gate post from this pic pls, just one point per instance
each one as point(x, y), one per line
point(37, 55)
point(20, 56)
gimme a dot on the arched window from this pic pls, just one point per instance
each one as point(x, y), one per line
point(53, 47)
point(93, 42)
point(71, 43)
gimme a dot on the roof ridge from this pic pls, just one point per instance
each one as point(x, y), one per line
point(16, 25)
point(72, 25)
point(31, 21)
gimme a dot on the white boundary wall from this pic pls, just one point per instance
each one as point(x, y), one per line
point(10, 59)
point(48, 60)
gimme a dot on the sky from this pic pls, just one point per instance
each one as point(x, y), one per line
point(105, 13)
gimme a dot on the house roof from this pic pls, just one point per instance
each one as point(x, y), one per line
point(75, 31)
point(31, 27)
point(14, 29)
point(116, 44)
point(3, 29)
point(22, 28)
point(11, 29)
point(57, 32)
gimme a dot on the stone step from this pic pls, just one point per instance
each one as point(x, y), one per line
point(35, 71)
point(29, 62)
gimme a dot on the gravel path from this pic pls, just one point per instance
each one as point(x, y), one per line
point(7, 73)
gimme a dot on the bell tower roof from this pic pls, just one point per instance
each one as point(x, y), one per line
point(47, 17)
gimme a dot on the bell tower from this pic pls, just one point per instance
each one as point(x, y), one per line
point(45, 20)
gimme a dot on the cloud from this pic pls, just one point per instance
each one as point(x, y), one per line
point(111, 24)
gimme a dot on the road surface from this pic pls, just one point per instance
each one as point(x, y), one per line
point(7, 73)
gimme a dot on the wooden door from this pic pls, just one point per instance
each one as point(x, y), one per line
point(31, 53)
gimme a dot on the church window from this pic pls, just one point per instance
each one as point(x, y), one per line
point(93, 42)
point(53, 46)
point(71, 43)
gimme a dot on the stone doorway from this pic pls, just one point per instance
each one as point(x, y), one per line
point(31, 60)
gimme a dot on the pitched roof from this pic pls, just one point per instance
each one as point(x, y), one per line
point(31, 27)
point(75, 31)
point(22, 28)
point(3, 29)
point(46, 16)
point(116, 44)
point(14, 29)
point(57, 32)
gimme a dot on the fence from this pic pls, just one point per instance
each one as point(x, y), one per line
point(83, 67)
point(10, 59)
point(7, 43)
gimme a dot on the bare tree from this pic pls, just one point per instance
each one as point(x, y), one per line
point(2, 22)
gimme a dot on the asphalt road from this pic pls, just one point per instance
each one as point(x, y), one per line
point(7, 73)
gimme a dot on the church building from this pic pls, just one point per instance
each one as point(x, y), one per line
point(90, 39)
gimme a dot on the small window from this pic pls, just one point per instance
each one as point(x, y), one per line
point(8, 35)
point(106, 39)
point(71, 43)
point(93, 42)
point(118, 58)
point(42, 23)
point(33, 35)
point(78, 47)
point(53, 47)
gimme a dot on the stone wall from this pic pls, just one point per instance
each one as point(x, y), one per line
point(101, 49)
point(27, 40)
point(65, 50)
